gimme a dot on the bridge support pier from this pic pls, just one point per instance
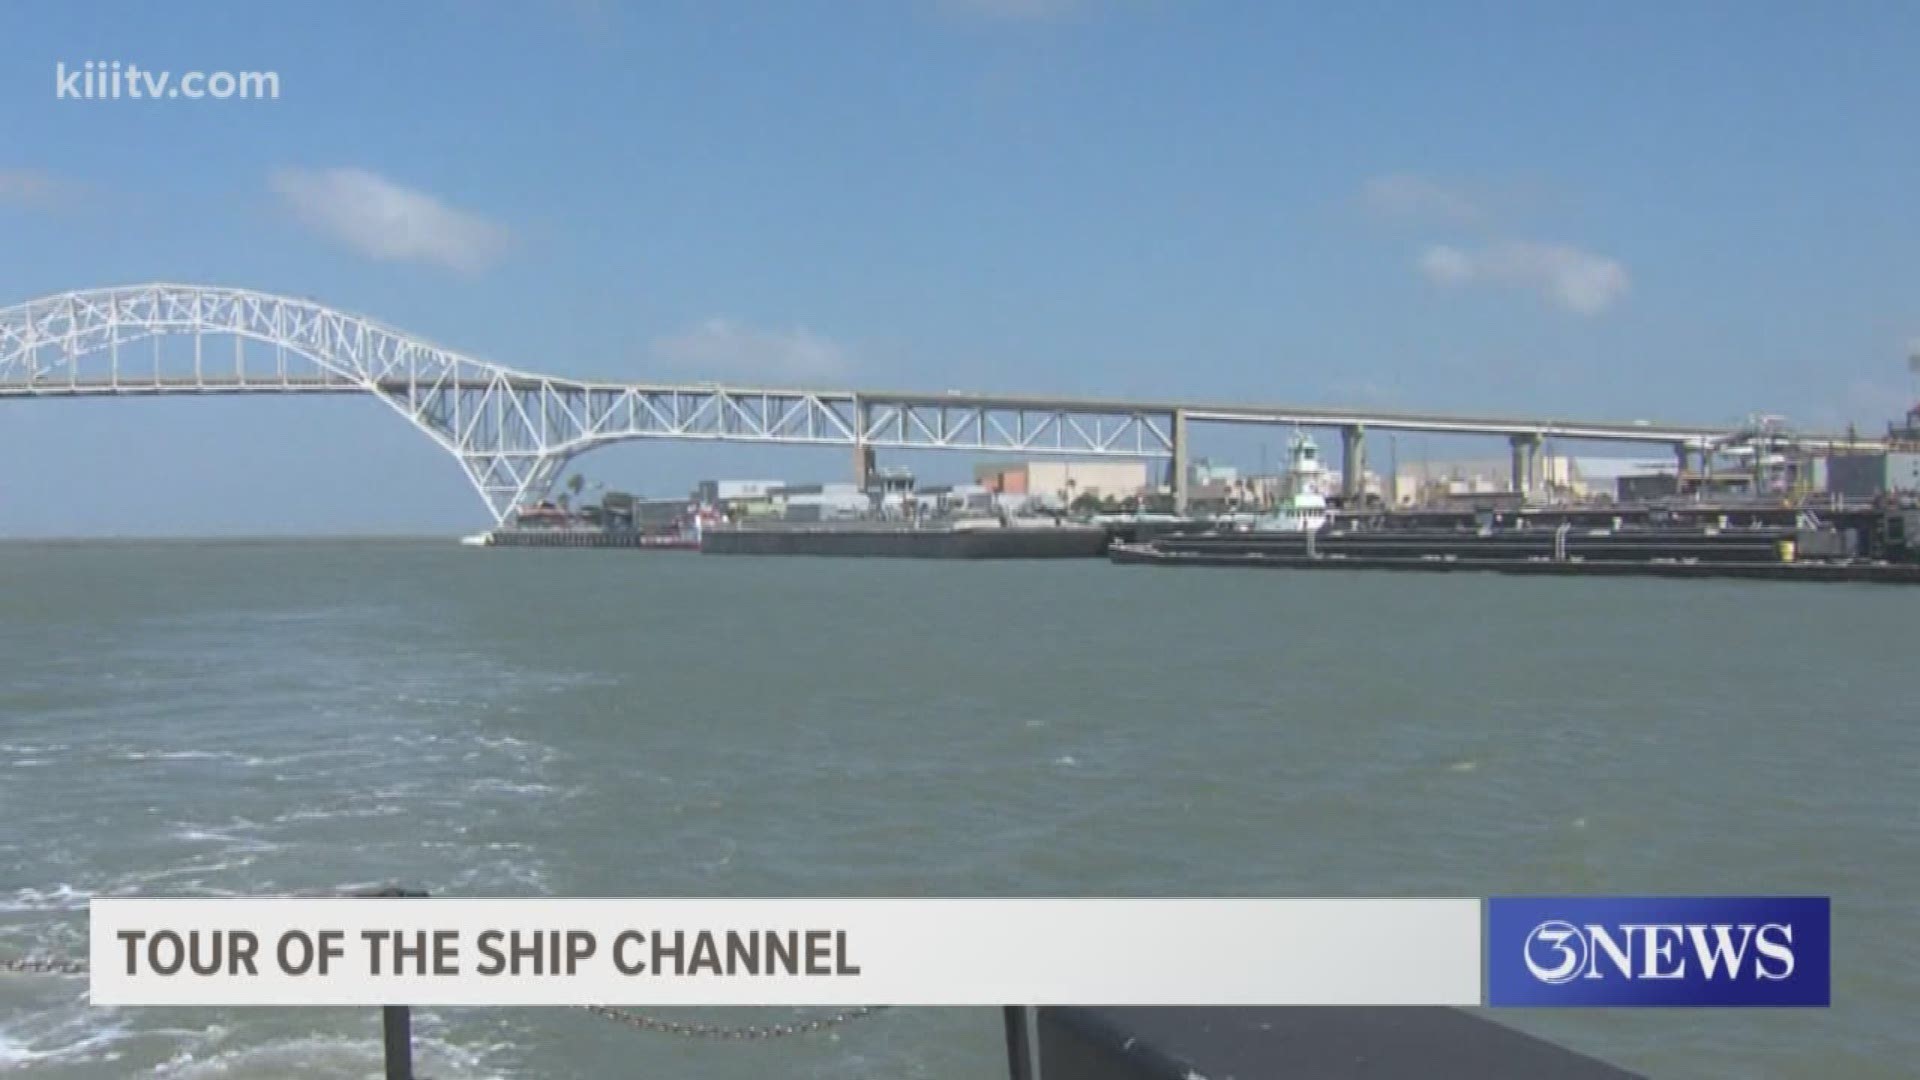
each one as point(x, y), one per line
point(1526, 465)
point(863, 461)
point(1353, 463)
point(1179, 461)
point(862, 453)
point(1682, 464)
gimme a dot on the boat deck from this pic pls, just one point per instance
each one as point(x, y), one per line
point(1876, 572)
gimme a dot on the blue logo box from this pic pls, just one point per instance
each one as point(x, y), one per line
point(1659, 951)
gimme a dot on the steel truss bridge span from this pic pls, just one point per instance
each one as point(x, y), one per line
point(513, 431)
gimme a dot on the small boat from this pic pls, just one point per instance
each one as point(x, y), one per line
point(482, 539)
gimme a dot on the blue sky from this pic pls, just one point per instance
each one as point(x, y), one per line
point(1689, 211)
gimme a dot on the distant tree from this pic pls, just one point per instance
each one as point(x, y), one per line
point(1086, 503)
point(576, 482)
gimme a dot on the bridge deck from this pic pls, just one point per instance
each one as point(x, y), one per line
point(1201, 412)
point(514, 431)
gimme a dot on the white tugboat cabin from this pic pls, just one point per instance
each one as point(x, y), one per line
point(1304, 506)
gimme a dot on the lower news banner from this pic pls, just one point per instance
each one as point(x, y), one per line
point(444, 951)
point(1700, 951)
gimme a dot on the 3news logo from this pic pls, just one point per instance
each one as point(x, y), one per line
point(1712, 951)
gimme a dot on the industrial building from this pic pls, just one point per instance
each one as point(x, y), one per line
point(621, 510)
point(1429, 483)
point(718, 492)
point(1870, 476)
point(823, 502)
point(1059, 482)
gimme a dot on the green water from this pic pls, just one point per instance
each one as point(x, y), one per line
point(239, 718)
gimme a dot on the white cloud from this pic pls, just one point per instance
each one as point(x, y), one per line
point(383, 220)
point(30, 187)
point(1577, 280)
point(1405, 195)
point(723, 348)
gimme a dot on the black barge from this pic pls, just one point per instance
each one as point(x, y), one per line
point(1769, 544)
point(908, 540)
point(1856, 571)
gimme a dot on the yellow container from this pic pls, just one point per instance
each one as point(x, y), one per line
point(1786, 551)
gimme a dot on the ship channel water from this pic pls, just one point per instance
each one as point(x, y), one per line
point(227, 718)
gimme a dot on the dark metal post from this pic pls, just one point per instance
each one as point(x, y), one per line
point(1019, 1042)
point(396, 1022)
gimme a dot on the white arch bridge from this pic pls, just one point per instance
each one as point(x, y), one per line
point(514, 431)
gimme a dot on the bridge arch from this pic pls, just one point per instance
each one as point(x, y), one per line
point(83, 344)
point(512, 432)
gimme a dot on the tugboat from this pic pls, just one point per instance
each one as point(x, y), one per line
point(1303, 509)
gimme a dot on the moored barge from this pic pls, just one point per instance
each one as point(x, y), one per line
point(922, 540)
point(1769, 554)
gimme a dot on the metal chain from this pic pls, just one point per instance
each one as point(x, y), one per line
point(696, 1030)
point(44, 965)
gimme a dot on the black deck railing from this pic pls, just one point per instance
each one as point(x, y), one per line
point(1168, 1043)
point(1317, 1042)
